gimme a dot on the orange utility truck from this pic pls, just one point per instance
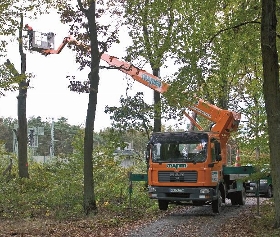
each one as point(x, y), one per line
point(191, 167)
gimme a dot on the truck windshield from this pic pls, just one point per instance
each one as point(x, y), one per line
point(180, 152)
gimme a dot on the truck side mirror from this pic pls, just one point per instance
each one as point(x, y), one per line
point(218, 151)
point(147, 156)
point(218, 157)
point(147, 153)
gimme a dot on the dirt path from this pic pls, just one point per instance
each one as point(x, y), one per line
point(199, 222)
point(185, 221)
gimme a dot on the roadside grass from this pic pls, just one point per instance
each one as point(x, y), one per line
point(55, 191)
point(263, 224)
point(50, 203)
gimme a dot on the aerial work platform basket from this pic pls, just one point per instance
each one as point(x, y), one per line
point(42, 41)
point(38, 41)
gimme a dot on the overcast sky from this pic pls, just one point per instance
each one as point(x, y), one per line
point(49, 96)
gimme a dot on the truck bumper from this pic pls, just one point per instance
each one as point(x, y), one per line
point(183, 194)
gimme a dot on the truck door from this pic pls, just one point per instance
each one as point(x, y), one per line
point(215, 165)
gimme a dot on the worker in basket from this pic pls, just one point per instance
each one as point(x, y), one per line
point(30, 34)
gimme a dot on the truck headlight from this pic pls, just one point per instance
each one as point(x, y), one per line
point(204, 190)
point(152, 189)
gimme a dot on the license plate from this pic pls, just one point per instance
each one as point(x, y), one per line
point(176, 190)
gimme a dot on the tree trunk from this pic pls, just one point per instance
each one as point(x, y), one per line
point(271, 94)
point(22, 121)
point(89, 196)
point(157, 106)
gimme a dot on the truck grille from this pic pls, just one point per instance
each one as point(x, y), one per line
point(183, 176)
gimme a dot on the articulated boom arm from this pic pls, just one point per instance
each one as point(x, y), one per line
point(225, 121)
point(67, 40)
point(143, 77)
point(137, 74)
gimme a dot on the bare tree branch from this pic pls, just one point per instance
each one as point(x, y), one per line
point(232, 27)
point(81, 7)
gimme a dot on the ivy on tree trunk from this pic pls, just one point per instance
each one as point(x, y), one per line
point(272, 94)
point(22, 121)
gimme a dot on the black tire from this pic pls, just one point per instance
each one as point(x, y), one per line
point(217, 204)
point(233, 199)
point(163, 205)
point(238, 198)
point(198, 203)
point(241, 197)
point(269, 193)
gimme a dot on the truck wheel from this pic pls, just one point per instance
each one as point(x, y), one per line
point(241, 197)
point(233, 199)
point(269, 192)
point(162, 205)
point(198, 203)
point(217, 204)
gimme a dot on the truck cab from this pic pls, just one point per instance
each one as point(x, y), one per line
point(184, 167)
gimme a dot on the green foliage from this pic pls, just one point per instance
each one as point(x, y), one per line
point(152, 27)
point(6, 81)
point(46, 193)
point(64, 134)
point(109, 173)
point(55, 189)
point(133, 114)
point(121, 138)
point(6, 135)
point(264, 225)
point(259, 160)
point(9, 76)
